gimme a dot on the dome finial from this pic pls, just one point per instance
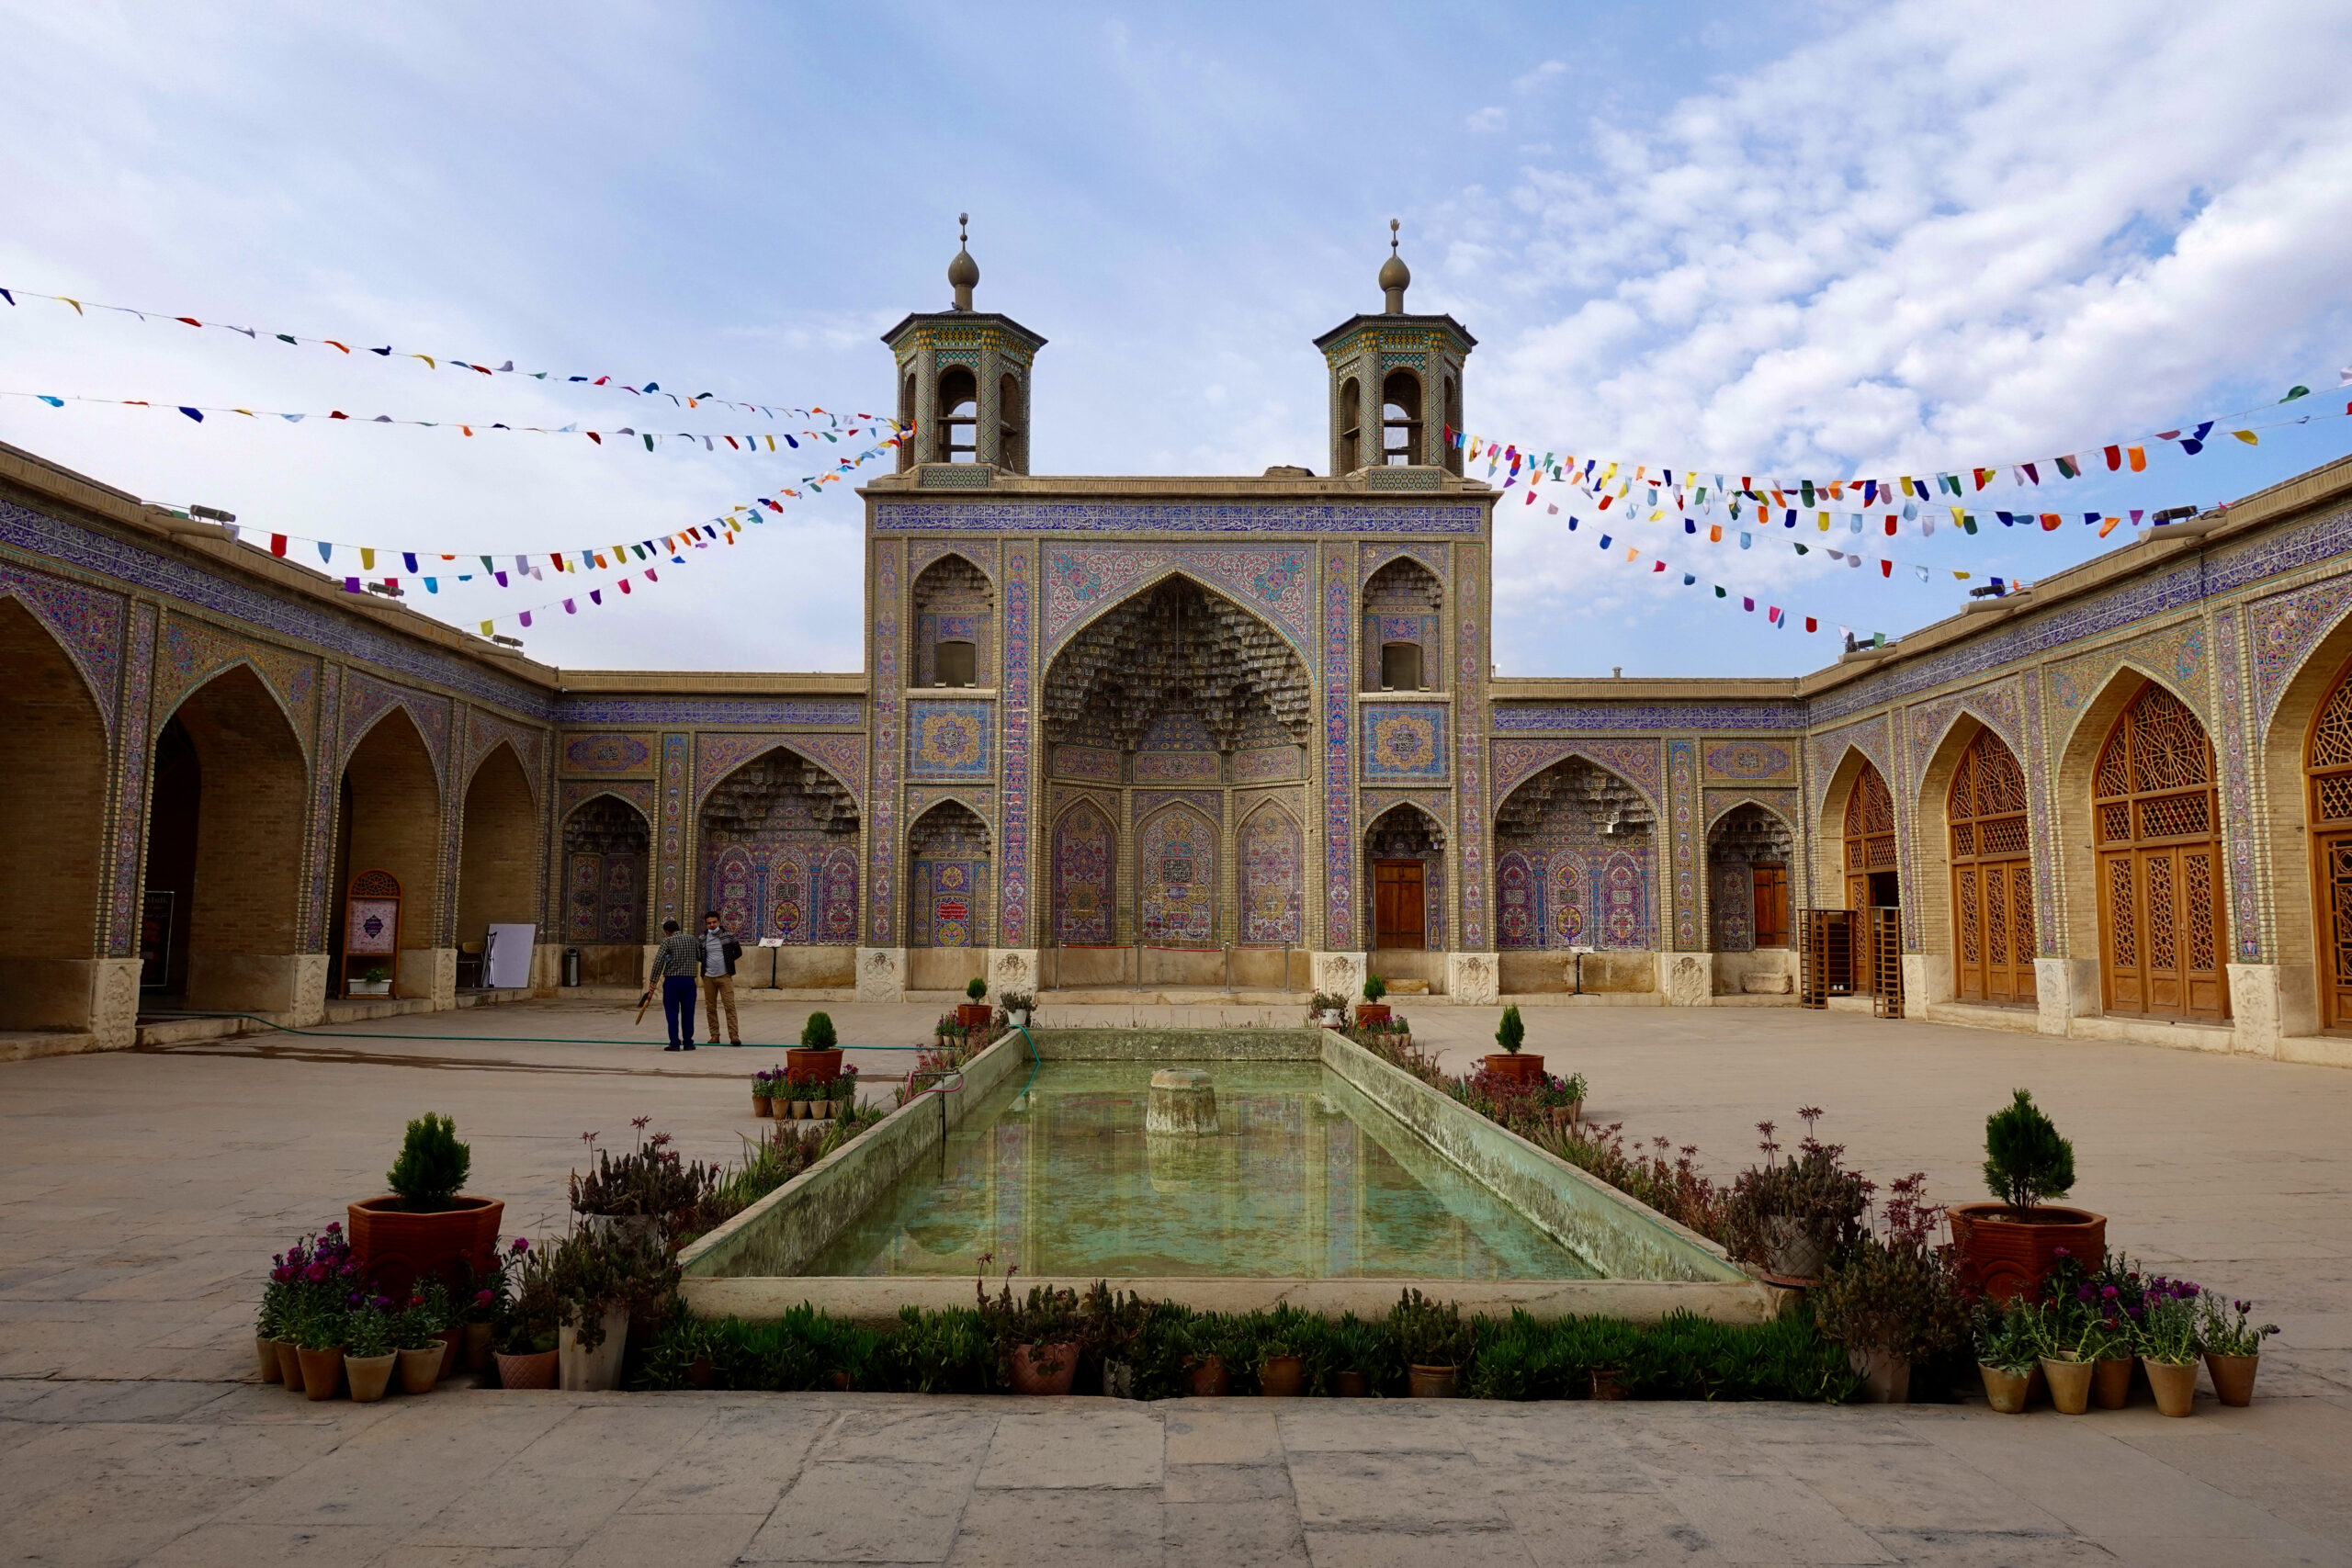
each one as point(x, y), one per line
point(963, 272)
point(1394, 276)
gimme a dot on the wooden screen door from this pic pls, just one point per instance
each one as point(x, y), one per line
point(1399, 904)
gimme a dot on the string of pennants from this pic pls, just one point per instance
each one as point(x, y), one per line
point(1914, 497)
point(753, 442)
point(1778, 615)
point(357, 348)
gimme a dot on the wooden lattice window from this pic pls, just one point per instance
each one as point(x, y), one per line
point(2153, 813)
point(2327, 758)
point(1992, 874)
point(1869, 852)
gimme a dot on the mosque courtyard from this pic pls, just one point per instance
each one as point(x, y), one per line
point(141, 1193)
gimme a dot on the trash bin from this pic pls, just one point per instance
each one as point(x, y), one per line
point(572, 966)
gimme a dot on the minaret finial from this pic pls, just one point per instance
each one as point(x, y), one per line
point(963, 272)
point(1394, 276)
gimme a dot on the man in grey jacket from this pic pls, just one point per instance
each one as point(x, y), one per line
point(719, 953)
point(675, 963)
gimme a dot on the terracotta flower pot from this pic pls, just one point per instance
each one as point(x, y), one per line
point(2009, 1256)
point(597, 1370)
point(1371, 1013)
point(534, 1370)
point(322, 1373)
point(1029, 1377)
point(2005, 1391)
point(810, 1063)
point(1608, 1383)
point(975, 1016)
point(420, 1369)
point(1432, 1383)
point(1887, 1379)
point(395, 1248)
point(1520, 1067)
point(369, 1375)
point(2233, 1377)
point(289, 1365)
point(1282, 1377)
point(2174, 1385)
point(799, 1110)
point(1207, 1379)
point(477, 1347)
point(2111, 1383)
point(1351, 1385)
point(2070, 1383)
point(265, 1354)
point(763, 1106)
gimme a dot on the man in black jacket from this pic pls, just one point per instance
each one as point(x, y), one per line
point(720, 952)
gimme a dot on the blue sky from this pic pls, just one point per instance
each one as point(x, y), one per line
point(1791, 239)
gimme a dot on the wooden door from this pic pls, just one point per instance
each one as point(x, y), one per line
point(1869, 852)
point(1771, 906)
point(1992, 875)
point(2161, 917)
point(2327, 758)
point(1400, 910)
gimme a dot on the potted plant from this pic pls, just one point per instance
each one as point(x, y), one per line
point(2166, 1340)
point(1890, 1299)
point(597, 1280)
point(2008, 1248)
point(2058, 1326)
point(974, 1012)
point(842, 1096)
point(374, 981)
point(818, 1057)
point(369, 1350)
point(1018, 1007)
point(318, 1346)
point(424, 1230)
point(1790, 1218)
point(1510, 1065)
point(416, 1336)
point(2005, 1357)
point(1563, 1100)
point(649, 1192)
point(1329, 1009)
point(1281, 1370)
point(1372, 1010)
point(1207, 1374)
point(2232, 1348)
point(316, 1278)
point(529, 1319)
point(1036, 1339)
point(278, 1294)
point(1434, 1343)
point(764, 1083)
point(476, 1324)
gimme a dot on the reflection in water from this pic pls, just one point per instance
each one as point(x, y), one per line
point(1305, 1179)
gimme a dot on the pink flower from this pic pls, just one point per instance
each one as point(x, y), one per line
point(335, 1227)
point(521, 1244)
point(483, 1299)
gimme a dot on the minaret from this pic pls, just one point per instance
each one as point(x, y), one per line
point(964, 376)
point(1396, 386)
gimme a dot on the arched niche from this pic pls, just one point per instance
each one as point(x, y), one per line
point(1176, 878)
point(390, 821)
point(1271, 878)
point(949, 878)
point(607, 844)
point(54, 790)
point(1574, 851)
point(1084, 875)
point(955, 624)
point(2298, 807)
point(1750, 861)
point(1403, 639)
point(1978, 912)
point(498, 845)
point(779, 839)
point(1404, 854)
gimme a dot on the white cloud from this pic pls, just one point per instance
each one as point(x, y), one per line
point(1547, 71)
point(1491, 118)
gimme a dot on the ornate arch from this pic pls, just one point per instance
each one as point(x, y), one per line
point(165, 711)
point(1636, 763)
point(1722, 803)
point(1084, 582)
point(1271, 876)
point(87, 623)
point(840, 757)
point(1177, 877)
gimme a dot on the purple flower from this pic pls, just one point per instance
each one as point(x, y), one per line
point(521, 1244)
point(2244, 1306)
point(2060, 1252)
point(483, 1299)
point(335, 1227)
point(2109, 1291)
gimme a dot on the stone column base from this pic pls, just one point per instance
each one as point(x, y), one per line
point(547, 968)
point(2270, 1003)
point(881, 974)
point(2065, 989)
point(1340, 973)
point(429, 974)
point(311, 970)
point(1927, 979)
point(271, 983)
point(1687, 979)
point(1472, 979)
point(1013, 969)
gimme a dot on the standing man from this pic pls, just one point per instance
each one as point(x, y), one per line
point(720, 952)
point(675, 963)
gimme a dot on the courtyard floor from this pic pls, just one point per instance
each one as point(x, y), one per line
point(141, 1193)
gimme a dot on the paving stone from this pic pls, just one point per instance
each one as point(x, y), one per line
point(1234, 1533)
point(1890, 1486)
point(869, 1511)
point(672, 1540)
point(1052, 1527)
point(406, 1470)
point(1230, 1483)
point(1222, 1437)
point(248, 1545)
point(741, 1461)
point(1464, 1549)
point(1406, 1491)
point(1640, 1528)
point(1390, 1426)
point(915, 1430)
point(1106, 1443)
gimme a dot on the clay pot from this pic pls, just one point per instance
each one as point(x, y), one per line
point(369, 1375)
point(1432, 1383)
point(1524, 1066)
point(597, 1370)
point(1207, 1379)
point(1791, 1257)
point(2174, 1386)
point(807, 1063)
point(823, 1108)
point(395, 1248)
point(763, 1106)
point(453, 1345)
point(2233, 1377)
point(2005, 1391)
point(534, 1370)
point(975, 1016)
point(322, 1373)
point(2070, 1383)
point(701, 1373)
point(1887, 1379)
point(289, 1365)
point(1028, 1377)
point(1282, 1377)
point(477, 1347)
point(266, 1353)
point(2111, 1383)
point(1608, 1383)
point(1371, 1013)
point(420, 1369)
point(2007, 1257)
point(1350, 1385)
point(800, 1110)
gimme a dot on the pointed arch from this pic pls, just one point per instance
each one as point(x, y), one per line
point(2300, 809)
point(1176, 877)
point(1404, 851)
point(1750, 852)
point(1084, 874)
point(54, 791)
point(1857, 862)
point(261, 679)
point(948, 870)
point(953, 616)
point(392, 820)
point(608, 841)
point(1271, 877)
point(1588, 837)
point(1978, 917)
point(723, 757)
point(1722, 803)
point(778, 834)
point(1068, 631)
point(498, 848)
point(1173, 644)
point(87, 624)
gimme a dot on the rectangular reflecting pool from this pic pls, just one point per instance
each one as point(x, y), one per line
point(1305, 1178)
